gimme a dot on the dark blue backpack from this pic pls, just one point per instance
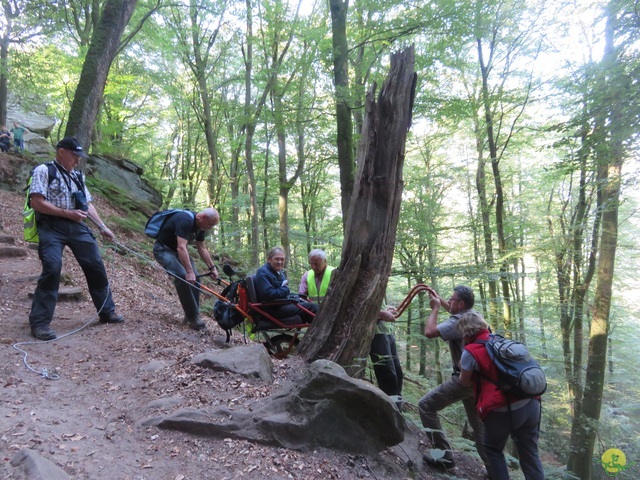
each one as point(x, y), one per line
point(518, 373)
point(157, 220)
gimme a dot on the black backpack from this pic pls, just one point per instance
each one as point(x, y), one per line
point(518, 373)
point(225, 313)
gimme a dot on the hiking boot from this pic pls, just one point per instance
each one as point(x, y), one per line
point(111, 318)
point(196, 323)
point(43, 333)
point(442, 462)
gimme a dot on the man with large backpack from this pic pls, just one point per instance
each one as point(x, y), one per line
point(63, 204)
point(504, 414)
point(170, 250)
point(451, 391)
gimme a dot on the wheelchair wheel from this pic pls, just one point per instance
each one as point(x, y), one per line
point(281, 346)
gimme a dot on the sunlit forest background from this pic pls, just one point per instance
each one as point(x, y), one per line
point(524, 110)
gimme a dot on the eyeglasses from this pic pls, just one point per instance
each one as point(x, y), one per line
point(453, 299)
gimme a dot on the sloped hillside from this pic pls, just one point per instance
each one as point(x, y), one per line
point(111, 377)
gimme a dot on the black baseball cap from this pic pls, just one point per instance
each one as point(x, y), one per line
point(70, 143)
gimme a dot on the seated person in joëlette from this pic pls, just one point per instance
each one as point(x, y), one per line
point(272, 285)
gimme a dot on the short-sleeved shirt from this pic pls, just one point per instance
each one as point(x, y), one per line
point(59, 191)
point(183, 225)
point(18, 132)
point(449, 332)
point(381, 326)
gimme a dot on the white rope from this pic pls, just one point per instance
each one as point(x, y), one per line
point(44, 373)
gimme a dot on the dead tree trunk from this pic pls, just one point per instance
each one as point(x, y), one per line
point(343, 329)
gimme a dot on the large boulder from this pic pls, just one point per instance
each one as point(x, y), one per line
point(39, 128)
point(251, 361)
point(36, 123)
point(38, 146)
point(123, 174)
point(325, 408)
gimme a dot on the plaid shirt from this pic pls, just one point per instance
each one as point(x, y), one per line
point(59, 191)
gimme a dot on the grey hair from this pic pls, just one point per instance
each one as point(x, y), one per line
point(466, 295)
point(317, 252)
point(471, 323)
point(275, 250)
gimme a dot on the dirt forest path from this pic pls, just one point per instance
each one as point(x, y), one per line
point(110, 378)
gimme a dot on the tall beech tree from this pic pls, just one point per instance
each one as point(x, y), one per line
point(344, 121)
point(20, 22)
point(500, 42)
point(616, 114)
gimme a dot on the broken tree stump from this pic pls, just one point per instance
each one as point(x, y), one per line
point(343, 329)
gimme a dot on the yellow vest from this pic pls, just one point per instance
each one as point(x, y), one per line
point(314, 295)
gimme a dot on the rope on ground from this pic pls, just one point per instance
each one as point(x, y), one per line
point(44, 373)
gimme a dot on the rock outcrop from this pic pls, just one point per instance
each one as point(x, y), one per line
point(122, 173)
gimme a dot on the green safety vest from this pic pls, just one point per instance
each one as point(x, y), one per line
point(324, 285)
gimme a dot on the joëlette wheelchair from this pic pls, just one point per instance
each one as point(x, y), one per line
point(280, 335)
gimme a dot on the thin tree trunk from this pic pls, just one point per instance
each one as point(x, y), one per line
point(104, 46)
point(543, 336)
point(199, 69)
point(499, 195)
point(250, 128)
point(481, 186)
point(583, 441)
point(4, 72)
point(584, 430)
point(344, 122)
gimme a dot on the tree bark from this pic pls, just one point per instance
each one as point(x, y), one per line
point(343, 329)
point(202, 42)
point(104, 46)
point(610, 159)
point(10, 11)
point(4, 73)
point(499, 193)
point(344, 123)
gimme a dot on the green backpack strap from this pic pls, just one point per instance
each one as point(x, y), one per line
point(29, 220)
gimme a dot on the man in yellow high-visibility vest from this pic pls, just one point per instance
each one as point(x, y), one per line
point(315, 282)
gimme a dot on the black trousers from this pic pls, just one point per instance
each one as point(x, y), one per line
point(386, 364)
point(55, 234)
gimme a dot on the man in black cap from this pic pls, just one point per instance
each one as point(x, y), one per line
point(63, 204)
